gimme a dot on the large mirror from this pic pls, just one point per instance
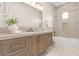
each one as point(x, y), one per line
point(29, 14)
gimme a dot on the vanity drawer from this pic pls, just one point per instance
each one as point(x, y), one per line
point(13, 45)
point(21, 52)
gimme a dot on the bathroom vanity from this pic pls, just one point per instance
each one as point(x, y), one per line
point(25, 44)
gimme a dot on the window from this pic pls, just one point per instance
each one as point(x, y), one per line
point(65, 15)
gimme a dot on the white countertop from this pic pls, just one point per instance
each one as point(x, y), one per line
point(16, 35)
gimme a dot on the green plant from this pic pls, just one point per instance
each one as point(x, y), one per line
point(12, 21)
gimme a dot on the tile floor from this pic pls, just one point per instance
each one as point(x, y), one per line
point(63, 47)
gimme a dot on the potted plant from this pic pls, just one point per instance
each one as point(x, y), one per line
point(12, 25)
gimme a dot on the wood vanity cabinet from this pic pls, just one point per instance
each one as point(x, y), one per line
point(32, 45)
point(26, 46)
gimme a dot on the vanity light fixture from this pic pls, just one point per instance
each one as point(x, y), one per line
point(38, 5)
point(35, 5)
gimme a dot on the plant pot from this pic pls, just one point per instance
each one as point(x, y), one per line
point(13, 28)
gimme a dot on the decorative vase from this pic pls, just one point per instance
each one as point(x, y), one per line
point(13, 28)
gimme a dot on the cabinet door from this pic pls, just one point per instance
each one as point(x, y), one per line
point(26, 44)
point(13, 46)
point(32, 45)
point(41, 43)
point(48, 40)
point(1, 49)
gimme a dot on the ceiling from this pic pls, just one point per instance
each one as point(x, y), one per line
point(56, 4)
